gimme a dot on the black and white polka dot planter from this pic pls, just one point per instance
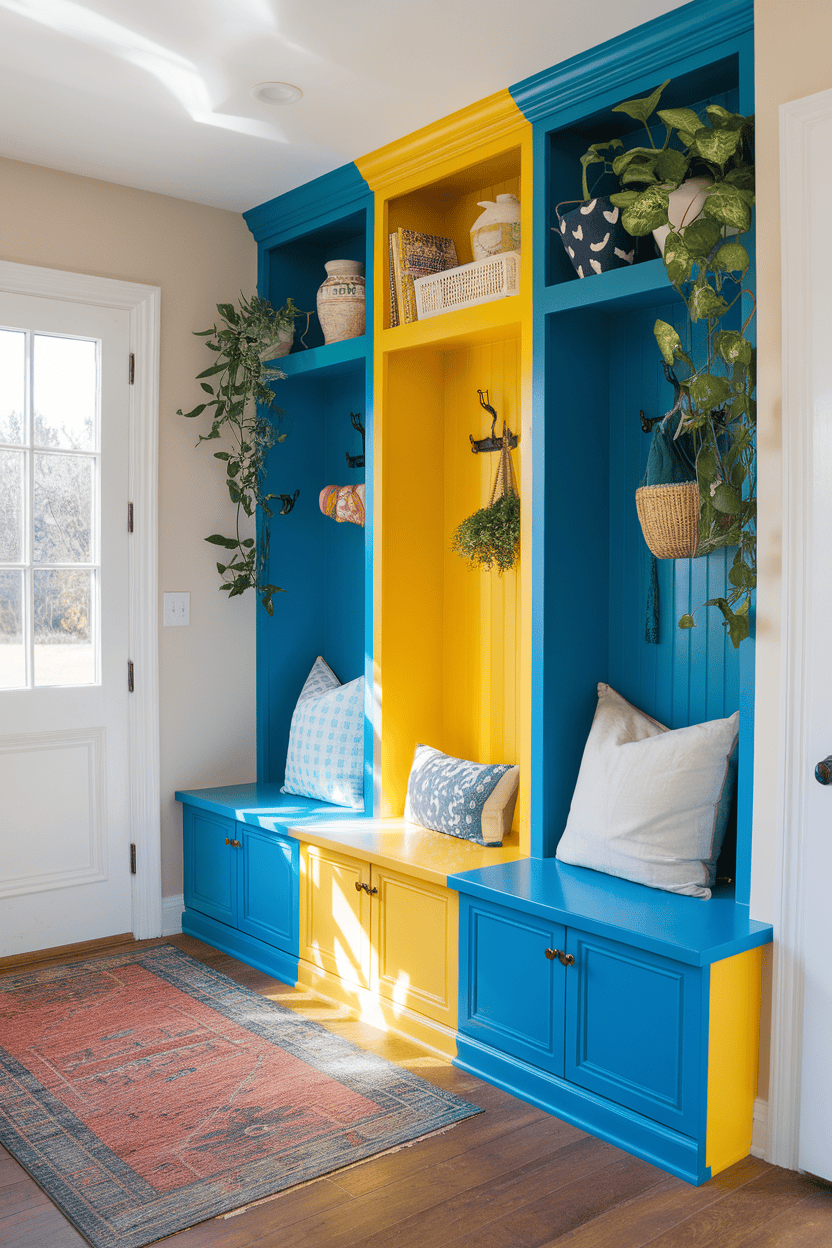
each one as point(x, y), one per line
point(594, 238)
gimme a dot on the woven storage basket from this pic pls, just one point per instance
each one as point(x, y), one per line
point(493, 278)
point(669, 516)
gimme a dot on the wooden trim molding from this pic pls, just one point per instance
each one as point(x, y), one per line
point(797, 121)
point(143, 305)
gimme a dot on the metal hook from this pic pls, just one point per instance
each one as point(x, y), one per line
point(357, 461)
point(493, 443)
point(289, 501)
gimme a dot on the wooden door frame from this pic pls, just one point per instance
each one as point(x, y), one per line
point(143, 305)
point(797, 121)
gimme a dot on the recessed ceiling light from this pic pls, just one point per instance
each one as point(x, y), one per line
point(276, 93)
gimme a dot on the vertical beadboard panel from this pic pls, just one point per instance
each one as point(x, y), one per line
point(481, 622)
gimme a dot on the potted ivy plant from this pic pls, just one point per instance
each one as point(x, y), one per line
point(714, 398)
point(593, 234)
point(244, 407)
point(489, 539)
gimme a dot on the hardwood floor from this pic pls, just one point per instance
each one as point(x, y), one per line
point(513, 1177)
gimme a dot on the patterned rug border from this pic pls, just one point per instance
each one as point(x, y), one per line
point(65, 1145)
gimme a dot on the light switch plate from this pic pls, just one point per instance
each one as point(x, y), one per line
point(177, 609)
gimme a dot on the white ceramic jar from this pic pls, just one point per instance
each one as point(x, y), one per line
point(498, 228)
point(341, 300)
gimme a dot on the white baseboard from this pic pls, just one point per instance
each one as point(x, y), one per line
point(759, 1132)
point(172, 908)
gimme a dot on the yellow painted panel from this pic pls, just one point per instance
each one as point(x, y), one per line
point(334, 915)
point(733, 1053)
point(415, 945)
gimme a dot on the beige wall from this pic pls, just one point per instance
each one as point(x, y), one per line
point(199, 257)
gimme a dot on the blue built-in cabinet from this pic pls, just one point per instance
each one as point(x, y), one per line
point(596, 368)
point(325, 568)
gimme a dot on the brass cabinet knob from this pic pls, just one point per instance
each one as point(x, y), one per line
point(565, 959)
point(823, 771)
point(358, 886)
point(236, 844)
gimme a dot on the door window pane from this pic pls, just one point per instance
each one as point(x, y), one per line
point(12, 654)
point(63, 509)
point(12, 384)
point(11, 506)
point(65, 391)
point(63, 628)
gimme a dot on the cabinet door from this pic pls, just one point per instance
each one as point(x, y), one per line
point(334, 914)
point(512, 993)
point(210, 867)
point(267, 898)
point(633, 1029)
point(414, 944)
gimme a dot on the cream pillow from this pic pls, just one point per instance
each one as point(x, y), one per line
point(651, 804)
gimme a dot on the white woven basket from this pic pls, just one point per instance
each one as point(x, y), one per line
point(496, 277)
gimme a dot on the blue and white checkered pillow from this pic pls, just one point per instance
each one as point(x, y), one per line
point(326, 741)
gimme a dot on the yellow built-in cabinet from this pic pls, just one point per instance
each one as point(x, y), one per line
point(380, 941)
point(451, 645)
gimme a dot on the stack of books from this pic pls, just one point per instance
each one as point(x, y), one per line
point(414, 255)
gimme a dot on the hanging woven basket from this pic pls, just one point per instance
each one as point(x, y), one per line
point(669, 517)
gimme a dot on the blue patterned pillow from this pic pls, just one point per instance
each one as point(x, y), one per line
point(325, 759)
point(473, 801)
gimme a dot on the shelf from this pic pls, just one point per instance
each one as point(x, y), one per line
point(336, 355)
point(620, 289)
point(467, 327)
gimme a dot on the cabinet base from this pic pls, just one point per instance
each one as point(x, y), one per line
point(375, 1010)
point(677, 1154)
point(254, 952)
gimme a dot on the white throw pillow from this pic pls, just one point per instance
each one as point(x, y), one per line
point(651, 804)
point(325, 759)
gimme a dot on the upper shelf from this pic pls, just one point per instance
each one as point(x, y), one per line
point(487, 322)
point(637, 286)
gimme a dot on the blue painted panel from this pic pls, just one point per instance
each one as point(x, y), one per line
point(511, 994)
point(263, 806)
point(679, 1154)
point(266, 958)
point(210, 867)
point(268, 882)
point(633, 1030)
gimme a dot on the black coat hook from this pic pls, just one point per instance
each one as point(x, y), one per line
point(288, 501)
point(478, 445)
point(357, 461)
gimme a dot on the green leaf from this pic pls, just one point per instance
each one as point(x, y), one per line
point(221, 568)
point(212, 371)
point(732, 347)
point(672, 166)
point(729, 205)
point(249, 541)
point(227, 311)
point(233, 468)
point(722, 119)
point(680, 119)
point(716, 146)
point(701, 236)
point(731, 258)
point(710, 392)
point(208, 389)
point(647, 212)
point(623, 199)
point(217, 539)
point(641, 109)
point(197, 411)
point(668, 340)
point(221, 455)
point(726, 500)
point(687, 622)
point(735, 621)
point(741, 575)
point(677, 259)
point(705, 302)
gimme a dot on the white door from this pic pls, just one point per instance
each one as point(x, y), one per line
point(64, 775)
point(801, 1083)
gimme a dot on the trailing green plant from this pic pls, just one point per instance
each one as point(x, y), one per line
point(715, 398)
point(490, 538)
point(245, 410)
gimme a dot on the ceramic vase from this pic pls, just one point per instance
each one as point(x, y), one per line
point(594, 238)
point(498, 228)
point(684, 206)
point(341, 300)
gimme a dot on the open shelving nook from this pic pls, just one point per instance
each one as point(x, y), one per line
point(449, 640)
point(598, 367)
point(323, 567)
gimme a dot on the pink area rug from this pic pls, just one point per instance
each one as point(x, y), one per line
point(145, 1092)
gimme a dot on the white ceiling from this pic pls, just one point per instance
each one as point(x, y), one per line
point(156, 93)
